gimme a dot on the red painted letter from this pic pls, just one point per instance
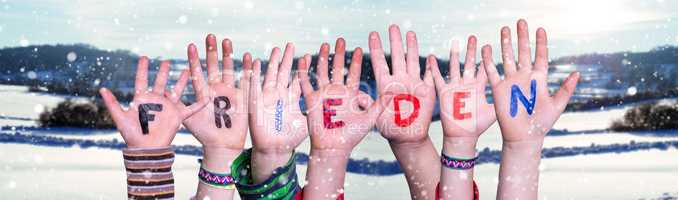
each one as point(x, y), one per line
point(328, 113)
point(396, 107)
point(458, 104)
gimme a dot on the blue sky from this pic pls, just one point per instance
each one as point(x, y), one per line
point(164, 28)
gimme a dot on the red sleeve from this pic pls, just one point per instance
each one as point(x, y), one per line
point(476, 194)
point(300, 195)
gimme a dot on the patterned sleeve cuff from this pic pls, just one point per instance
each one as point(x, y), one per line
point(149, 173)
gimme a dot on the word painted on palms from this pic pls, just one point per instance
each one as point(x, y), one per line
point(458, 104)
point(278, 115)
point(517, 95)
point(399, 120)
point(328, 113)
point(145, 116)
point(221, 105)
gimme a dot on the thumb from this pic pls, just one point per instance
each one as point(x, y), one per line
point(377, 108)
point(566, 90)
point(112, 104)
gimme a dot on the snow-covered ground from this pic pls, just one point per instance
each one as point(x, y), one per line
point(74, 173)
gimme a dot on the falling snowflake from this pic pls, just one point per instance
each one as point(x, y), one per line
point(32, 75)
point(248, 4)
point(631, 91)
point(38, 108)
point(182, 19)
point(325, 31)
point(23, 42)
point(71, 56)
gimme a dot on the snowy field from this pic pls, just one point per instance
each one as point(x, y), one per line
point(74, 173)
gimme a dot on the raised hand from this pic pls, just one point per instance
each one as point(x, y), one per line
point(221, 126)
point(525, 109)
point(223, 122)
point(464, 110)
point(151, 119)
point(465, 115)
point(276, 121)
point(339, 116)
point(406, 118)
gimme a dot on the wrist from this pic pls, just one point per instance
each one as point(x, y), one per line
point(523, 146)
point(219, 159)
point(330, 153)
point(412, 145)
point(460, 146)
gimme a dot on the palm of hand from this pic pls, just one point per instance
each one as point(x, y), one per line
point(203, 124)
point(397, 130)
point(464, 110)
point(153, 118)
point(275, 117)
point(351, 125)
point(402, 121)
point(271, 131)
point(161, 130)
point(525, 109)
point(472, 119)
point(223, 122)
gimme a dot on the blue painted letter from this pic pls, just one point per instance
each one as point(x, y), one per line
point(516, 94)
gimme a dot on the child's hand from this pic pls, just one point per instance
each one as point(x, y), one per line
point(408, 116)
point(339, 114)
point(223, 122)
point(277, 124)
point(152, 119)
point(464, 110)
point(525, 114)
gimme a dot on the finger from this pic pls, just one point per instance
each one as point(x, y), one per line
point(272, 68)
point(338, 61)
point(228, 69)
point(179, 87)
point(488, 64)
point(542, 60)
point(438, 80)
point(141, 80)
point(428, 78)
point(283, 79)
point(213, 75)
point(364, 100)
point(321, 69)
point(353, 80)
point(507, 52)
point(524, 57)
point(198, 80)
point(112, 104)
point(295, 88)
point(481, 76)
point(161, 78)
point(302, 72)
point(193, 108)
point(412, 54)
point(470, 60)
point(566, 90)
point(455, 74)
point(246, 75)
point(397, 52)
point(376, 109)
point(377, 58)
point(255, 84)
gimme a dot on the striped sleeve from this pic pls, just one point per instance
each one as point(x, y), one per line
point(149, 173)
